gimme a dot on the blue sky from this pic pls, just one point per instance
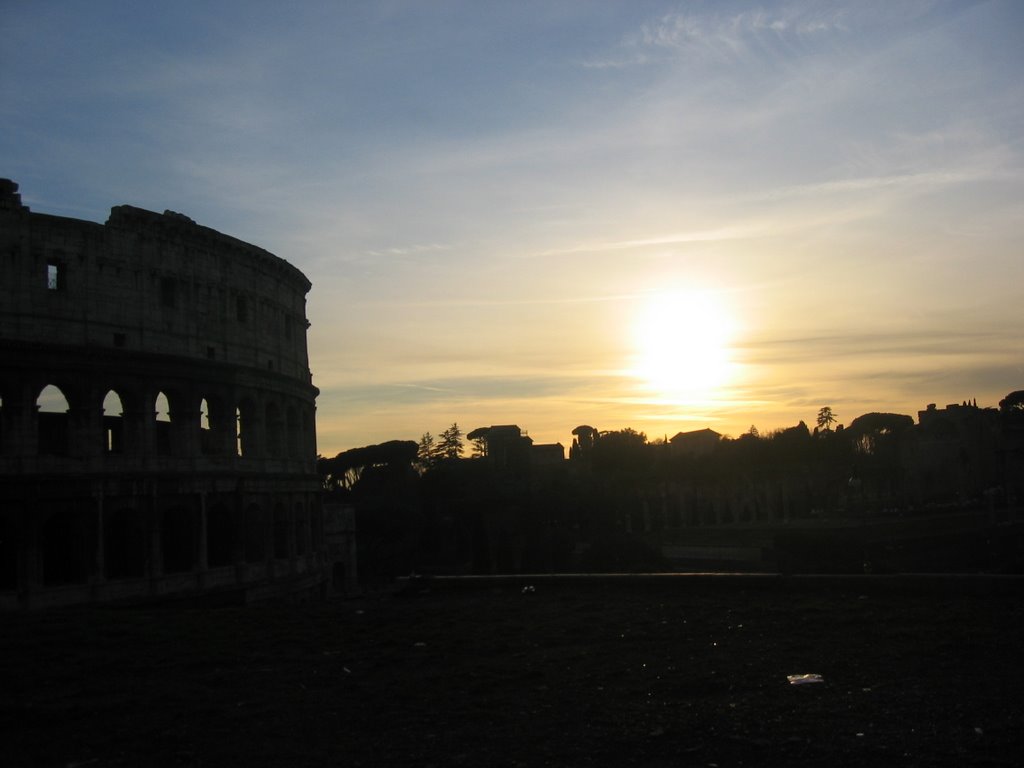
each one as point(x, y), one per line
point(495, 201)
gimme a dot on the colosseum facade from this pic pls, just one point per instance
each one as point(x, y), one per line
point(156, 413)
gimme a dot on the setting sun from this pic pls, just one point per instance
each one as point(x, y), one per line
point(681, 342)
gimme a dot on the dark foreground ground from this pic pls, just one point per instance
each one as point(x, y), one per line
point(649, 672)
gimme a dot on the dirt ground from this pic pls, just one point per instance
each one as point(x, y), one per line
point(687, 671)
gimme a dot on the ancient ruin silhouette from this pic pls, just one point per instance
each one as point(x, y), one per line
point(882, 494)
point(181, 457)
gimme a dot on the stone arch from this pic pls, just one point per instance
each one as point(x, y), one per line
point(113, 422)
point(217, 427)
point(281, 529)
point(125, 418)
point(124, 544)
point(248, 440)
point(255, 534)
point(162, 419)
point(220, 536)
point(206, 446)
point(52, 419)
point(179, 539)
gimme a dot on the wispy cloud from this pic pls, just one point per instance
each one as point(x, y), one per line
point(726, 233)
point(858, 347)
point(736, 34)
point(409, 250)
point(874, 183)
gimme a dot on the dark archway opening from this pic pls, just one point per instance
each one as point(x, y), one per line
point(255, 534)
point(113, 423)
point(65, 548)
point(53, 422)
point(178, 539)
point(219, 537)
point(163, 425)
point(124, 543)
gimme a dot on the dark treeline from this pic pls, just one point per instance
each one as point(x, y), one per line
point(882, 493)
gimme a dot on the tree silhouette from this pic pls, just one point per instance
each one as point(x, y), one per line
point(1013, 402)
point(874, 424)
point(826, 418)
point(426, 452)
point(450, 446)
point(622, 452)
point(479, 447)
point(349, 468)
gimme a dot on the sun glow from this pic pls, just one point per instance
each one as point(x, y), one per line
point(682, 346)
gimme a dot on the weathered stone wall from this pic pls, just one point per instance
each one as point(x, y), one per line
point(152, 282)
point(182, 457)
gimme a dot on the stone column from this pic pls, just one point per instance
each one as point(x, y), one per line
point(85, 431)
point(139, 430)
point(137, 438)
point(223, 427)
point(185, 415)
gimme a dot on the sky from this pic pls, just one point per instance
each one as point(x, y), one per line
point(664, 216)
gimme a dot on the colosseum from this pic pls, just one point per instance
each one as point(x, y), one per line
point(156, 413)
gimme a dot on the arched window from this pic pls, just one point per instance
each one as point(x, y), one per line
point(53, 421)
point(207, 442)
point(247, 439)
point(113, 423)
point(162, 410)
point(218, 426)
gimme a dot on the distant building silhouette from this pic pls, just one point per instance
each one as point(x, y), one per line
point(583, 441)
point(507, 448)
point(696, 443)
point(953, 453)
